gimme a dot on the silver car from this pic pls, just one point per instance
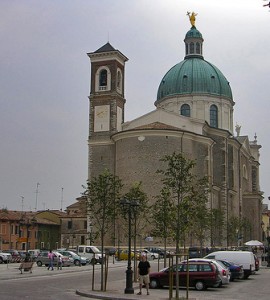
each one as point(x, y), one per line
point(78, 260)
point(224, 272)
point(43, 259)
point(5, 257)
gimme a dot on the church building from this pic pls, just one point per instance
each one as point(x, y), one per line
point(193, 115)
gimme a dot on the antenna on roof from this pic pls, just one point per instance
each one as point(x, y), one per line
point(22, 202)
point(62, 194)
point(36, 196)
point(108, 36)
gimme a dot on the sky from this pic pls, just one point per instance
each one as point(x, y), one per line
point(45, 80)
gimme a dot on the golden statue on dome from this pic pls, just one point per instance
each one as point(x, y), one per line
point(192, 18)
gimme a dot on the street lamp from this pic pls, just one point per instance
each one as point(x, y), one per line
point(268, 252)
point(129, 204)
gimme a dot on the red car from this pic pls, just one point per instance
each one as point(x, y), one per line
point(257, 263)
point(201, 275)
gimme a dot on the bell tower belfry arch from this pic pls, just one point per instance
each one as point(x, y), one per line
point(106, 106)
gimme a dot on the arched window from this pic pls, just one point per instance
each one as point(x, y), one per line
point(185, 83)
point(198, 48)
point(191, 47)
point(213, 116)
point(103, 78)
point(119, 81)
point(245, 175)
point(185, 110)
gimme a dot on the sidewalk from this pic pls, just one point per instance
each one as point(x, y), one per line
point(118, 293)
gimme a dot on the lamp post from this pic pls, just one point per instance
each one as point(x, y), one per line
point(268, 252)
point(129, 283)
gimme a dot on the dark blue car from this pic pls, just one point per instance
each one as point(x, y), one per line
point(237, 271)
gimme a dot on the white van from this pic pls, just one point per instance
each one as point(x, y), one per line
point(242, 258)
point(91, 252)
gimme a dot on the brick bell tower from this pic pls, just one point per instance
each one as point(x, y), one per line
point(106, 106)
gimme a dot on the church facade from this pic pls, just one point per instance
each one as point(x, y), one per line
point(193, 115)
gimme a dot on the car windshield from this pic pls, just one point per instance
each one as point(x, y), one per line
point(95, 249)
point(221, 264)
point(73, 253)
point(227, 264)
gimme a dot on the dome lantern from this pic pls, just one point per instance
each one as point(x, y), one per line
point(193, 39)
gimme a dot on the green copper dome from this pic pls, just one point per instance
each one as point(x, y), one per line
point(194, 75)
point(193, 33)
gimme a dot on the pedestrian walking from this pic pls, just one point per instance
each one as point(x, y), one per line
point(51, 257)
point(59, 262)
point(143, 273)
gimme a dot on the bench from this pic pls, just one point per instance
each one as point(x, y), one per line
point(26, 266)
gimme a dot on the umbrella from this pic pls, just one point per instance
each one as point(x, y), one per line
point(254, 243)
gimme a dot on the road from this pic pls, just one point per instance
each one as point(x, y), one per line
point(61, 285)
point(57, 284)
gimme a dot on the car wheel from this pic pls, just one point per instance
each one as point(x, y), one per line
point(77, 262)
point(39, 263)
point(199, 286)
point(242, 276)
point(153, 257)
point(154, 283)
point(93, 261)
point(1, 260)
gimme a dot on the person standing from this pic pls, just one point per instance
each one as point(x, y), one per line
point(59, 262)
point(143, 273)
point(51, 257)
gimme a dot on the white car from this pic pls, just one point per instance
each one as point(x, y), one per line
point(224, 272)
point(150, 255)
point(5, 257)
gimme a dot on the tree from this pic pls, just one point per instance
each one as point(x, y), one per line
point(200, 222)
point(217, 225)
point(178, 179)
point(162, 214)
point(233, 230)
point(139, 213)
point(246, 229)
point(103, 193)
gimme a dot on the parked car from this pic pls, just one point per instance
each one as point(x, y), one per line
point(43, 259)
point(5, 257)
point(91, 252)
point(257, 263)
point(110, 251)
point(150, 255)
point(224, 272)
point(22, 254)
point(241, 258)
point(202, 275)
point(237, 272)
point(34, 253)
point(78, 260)
point(14, 254)
point(159, 251)
point(123, 255)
